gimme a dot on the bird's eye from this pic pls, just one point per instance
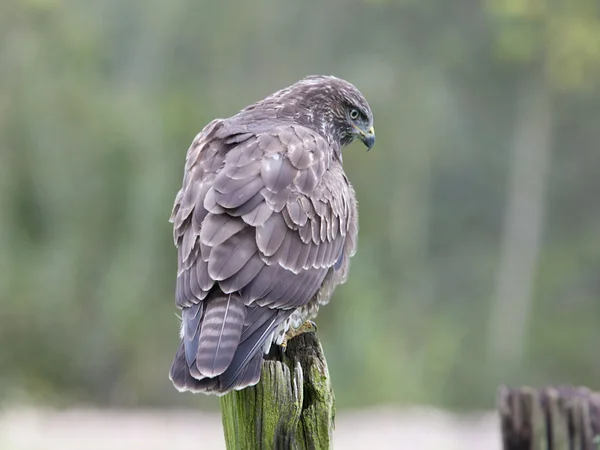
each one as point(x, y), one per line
point(354, 114)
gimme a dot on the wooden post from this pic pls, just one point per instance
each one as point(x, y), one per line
point(552, 418)
point(292, 407)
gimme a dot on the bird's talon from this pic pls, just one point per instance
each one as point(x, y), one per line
point(311, 327)
point(307, 327)
point(282, 348)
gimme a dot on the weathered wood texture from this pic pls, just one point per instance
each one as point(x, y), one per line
point(552, 418)
point(292, 407)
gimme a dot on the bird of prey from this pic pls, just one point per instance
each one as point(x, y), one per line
point(264, 224)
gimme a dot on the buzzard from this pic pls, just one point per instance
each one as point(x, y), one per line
point(265, 224)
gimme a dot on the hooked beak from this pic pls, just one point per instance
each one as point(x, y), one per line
point(368, 138)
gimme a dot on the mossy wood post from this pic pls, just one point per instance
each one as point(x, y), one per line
point(551, 418)
point(292, 407)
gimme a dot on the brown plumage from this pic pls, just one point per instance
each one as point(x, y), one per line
point(265, 225)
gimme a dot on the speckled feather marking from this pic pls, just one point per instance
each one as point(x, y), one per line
point(265, 225)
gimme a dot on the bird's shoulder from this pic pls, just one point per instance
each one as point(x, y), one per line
point(302, 145)
point(280, 155)
point(274, 199)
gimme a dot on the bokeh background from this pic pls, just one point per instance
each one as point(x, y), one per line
point(479, 255)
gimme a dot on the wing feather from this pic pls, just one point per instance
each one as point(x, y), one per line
point(270, 235)
point(235, 193)
point(259, 215)
point(244, 276)
point(218, 228)
point(261, 220)
point(229, 257)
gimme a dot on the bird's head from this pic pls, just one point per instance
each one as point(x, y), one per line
point(352, 116)
point(333, 107)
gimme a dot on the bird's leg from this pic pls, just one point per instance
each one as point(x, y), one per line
point(307, 327)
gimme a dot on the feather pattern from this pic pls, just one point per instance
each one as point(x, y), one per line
point(265, 223)
point(191, 326)
point(220, 334)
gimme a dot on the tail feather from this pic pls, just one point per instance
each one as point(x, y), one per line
point(227, 353)
point(220, 333)
point(183, 380)
point(191, 328)
point(248, 349)
point(248, 377)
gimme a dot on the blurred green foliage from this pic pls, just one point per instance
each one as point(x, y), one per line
point(100, 100)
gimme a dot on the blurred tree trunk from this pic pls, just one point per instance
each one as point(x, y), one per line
point(410, 195)
point(523, 225)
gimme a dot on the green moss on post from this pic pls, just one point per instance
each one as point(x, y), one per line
point(292, 407)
